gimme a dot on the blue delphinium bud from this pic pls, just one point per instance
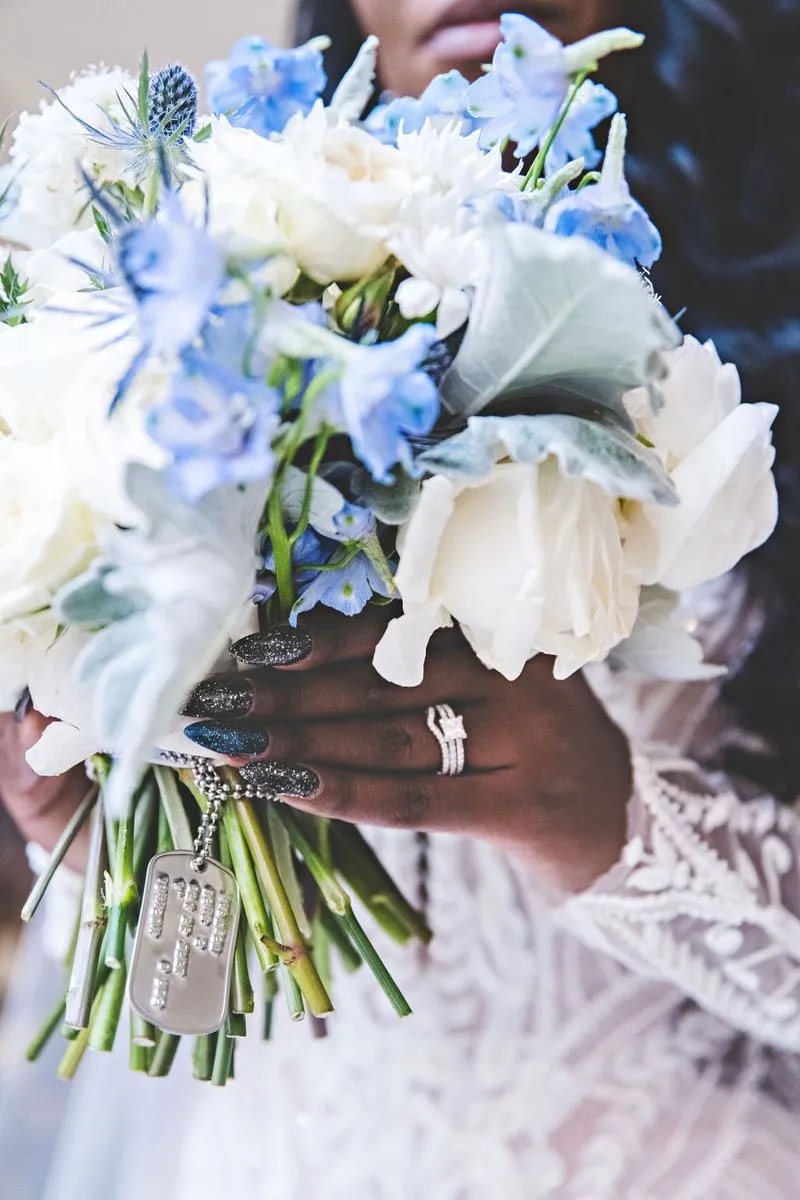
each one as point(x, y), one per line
point(172, 102)
point(606, 213)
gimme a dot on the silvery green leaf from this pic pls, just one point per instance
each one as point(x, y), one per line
point(603, 453)
point(391, 503)
point(189, 570)
point(558, 317)
point(87, 602)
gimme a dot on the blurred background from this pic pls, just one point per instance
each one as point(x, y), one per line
point(48, 40)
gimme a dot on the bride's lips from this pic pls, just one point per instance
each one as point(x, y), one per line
point(474, 41)
point(468, 31)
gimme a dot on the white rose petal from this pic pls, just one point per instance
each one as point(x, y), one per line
point(526, 560)
point(46, 534)
point(50, 150)
point(719, 454)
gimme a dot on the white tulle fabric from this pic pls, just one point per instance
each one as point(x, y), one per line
point(636, 1042)
point(633, 1043)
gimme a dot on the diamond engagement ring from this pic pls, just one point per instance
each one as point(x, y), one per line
point(449, 731)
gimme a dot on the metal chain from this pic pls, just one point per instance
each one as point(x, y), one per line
point(213, 786)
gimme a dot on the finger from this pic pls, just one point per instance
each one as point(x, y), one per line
point(395, 742)
point(321, 638)
point(350, 689)
point(422, 801)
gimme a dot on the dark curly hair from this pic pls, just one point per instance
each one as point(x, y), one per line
point(716, 98)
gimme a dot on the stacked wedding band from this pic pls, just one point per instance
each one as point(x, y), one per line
point(448, 729)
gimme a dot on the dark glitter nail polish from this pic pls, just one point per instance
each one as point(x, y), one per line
point(220, 698)
point(282, 778)
point(230, 740)
point(276, 647)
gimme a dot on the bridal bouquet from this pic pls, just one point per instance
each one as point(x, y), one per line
point(289, 355)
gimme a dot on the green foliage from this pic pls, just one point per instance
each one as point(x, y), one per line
point(12, 295)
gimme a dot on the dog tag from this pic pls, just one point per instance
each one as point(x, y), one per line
point(183, 956)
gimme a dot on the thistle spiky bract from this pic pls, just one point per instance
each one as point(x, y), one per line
point(172, 103)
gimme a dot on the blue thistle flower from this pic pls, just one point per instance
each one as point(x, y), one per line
point(153, 126)
point(172, 103)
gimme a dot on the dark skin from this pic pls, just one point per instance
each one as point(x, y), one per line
point(548, 773)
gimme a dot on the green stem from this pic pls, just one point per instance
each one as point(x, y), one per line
point(73, 1054)
point(360, 866)
point(282, 852)
point(139, 1052)
point(203, 1056)
point(45, 1031)
point(270, 992)
point(151, 193)
point(142, 1032)
point(171, 802)
point(321, 445)
point(81, 987)
point(338, 902)
point(281, 550)
point(252, 901)
point(107, 1010)
point(242, 996)
point(63, 844)
point(124, 892)
point(223, 1059)
point(303, 970)
point(351, 959)
point(237, 1025)
point(163, 1055)
point(531, 180)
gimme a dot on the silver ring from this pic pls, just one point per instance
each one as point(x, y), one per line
point(449, 731)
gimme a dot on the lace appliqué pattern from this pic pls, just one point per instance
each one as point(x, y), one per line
point(705, 896)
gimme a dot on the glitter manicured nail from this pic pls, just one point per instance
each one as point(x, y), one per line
point(230, 740)
point(276, 647)
point(281, 778)
point(220, 698)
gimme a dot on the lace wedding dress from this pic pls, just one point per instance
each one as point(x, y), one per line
point(635, 1042)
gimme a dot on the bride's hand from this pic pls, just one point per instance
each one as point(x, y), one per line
point(547, 772)
point(40, 807)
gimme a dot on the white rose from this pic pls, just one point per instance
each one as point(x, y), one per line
point(46, 534)
point(55, 269)
point(235, 172)
point(323, 193)
point(50, 149)
point(23, 643)
point(719, 454)
point(339, 190)
point(58, 377)
point(526, 560)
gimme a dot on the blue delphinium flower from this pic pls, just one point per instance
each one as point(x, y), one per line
point(218, 427)
point(348, 590)
point(385, 398)
point(261, 86)
point(521, 97)
point(309, 552)
point(354, 522)
point(592, 104)
point(174, 270)
point(606, 213)
point(445, 96)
